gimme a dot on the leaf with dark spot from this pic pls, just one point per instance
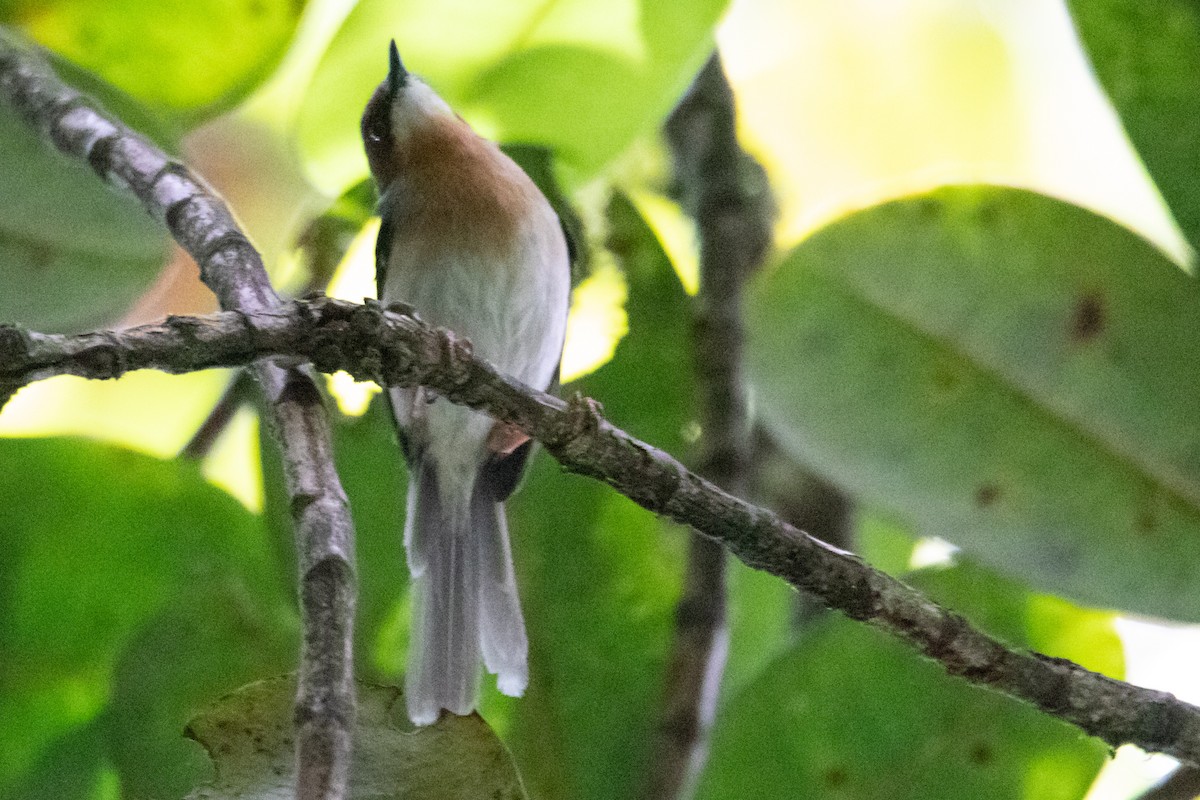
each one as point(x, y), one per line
point(1038, 456)
point(1088, 321)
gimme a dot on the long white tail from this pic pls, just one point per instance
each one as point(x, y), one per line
point(465, 599)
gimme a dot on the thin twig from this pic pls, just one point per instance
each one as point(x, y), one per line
point(236, 394)
point(724, 191)
point(397, 349)
point(229, 264)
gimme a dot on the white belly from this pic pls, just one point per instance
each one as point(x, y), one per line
point(513, 313)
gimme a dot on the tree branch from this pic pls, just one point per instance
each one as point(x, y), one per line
point(804, 500)
point(229, 264)
point(1182, 784)
point(397, 349)
point(725, 193)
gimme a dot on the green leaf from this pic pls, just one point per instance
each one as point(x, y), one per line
point(851, 713)
point(582, 77)
point(97, 541)
point(207, 644)
point(72, 768)
point(193, 59)
point(1005, 371)
point(250, 737)
point(1146, 54)
point(762, 625)
point(74, 255)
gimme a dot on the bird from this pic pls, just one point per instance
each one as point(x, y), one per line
point(469, 242)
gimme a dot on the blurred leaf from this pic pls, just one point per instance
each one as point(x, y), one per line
point(151, 412)
point(95, 542)
point(206, 645)
point(851, 713)
point(75, 254)
point(194, 59)
point(70, 769)
point(882, 543)
point(1147, 55)
point(1007, 372)
point(250, 737)
point(581, 77)
point(762, 625)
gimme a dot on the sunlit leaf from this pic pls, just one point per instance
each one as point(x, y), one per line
point(251, 739)
point(194, 58)
point(856, 102)
point(1004, 371)
point(582, 77)
point(852, 713)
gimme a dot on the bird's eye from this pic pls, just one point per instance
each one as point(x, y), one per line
point(376, 122)
point(378, 129)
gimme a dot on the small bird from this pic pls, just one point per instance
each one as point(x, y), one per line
point(472, 245)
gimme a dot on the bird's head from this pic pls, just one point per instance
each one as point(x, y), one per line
point(399, 107)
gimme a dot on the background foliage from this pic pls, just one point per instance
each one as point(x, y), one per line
point(1003, 370)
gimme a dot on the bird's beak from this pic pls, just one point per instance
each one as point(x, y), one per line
point(397, 74)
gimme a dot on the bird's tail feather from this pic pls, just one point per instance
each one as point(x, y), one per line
point(501, 625)
point(465, 600)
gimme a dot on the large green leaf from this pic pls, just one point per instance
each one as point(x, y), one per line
point(1147, 56)
point(73, 253)
point(851, 713)
point(194, 59)
point(1003, 370)
point(72, 768)
point(96, 542)
point(582, 77)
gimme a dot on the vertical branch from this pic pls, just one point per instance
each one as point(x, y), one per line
point(725, 192)
point(229, 264)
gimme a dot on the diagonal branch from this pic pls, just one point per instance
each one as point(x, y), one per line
point(229, 264)
point(397, 349)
